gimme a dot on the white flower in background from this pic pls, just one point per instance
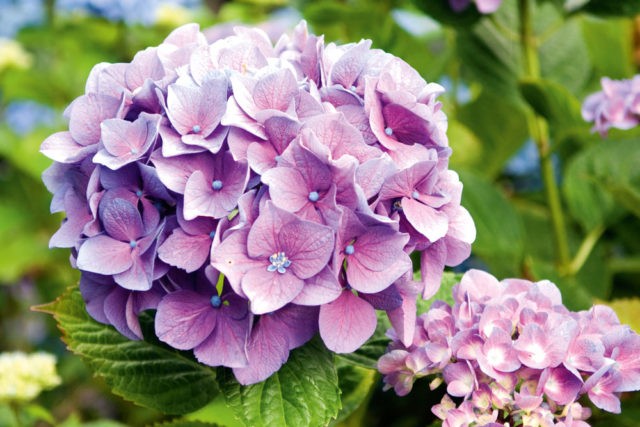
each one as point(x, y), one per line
point(12, 54)
point(23, 376)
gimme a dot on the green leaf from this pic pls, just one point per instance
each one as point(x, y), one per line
point(356, 384)
point(613, 7)
point(608, 43)
point(217, 411)
point(500, 233)
point(499, 124)
point(559, 44)
point(601, 179)
point(304, 392)
point(144, 373)
point(556, 104)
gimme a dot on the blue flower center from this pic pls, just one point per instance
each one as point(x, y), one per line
point(216, 185)
point(196, 129)
point(415, 194)
point(314, 196)
point(133, 244)
point(139, 193)
point(134, 151)
point(353, 88)
point(397, 205)
point(388, 131)
point(212, 234)
point(279, 263)
point(349, 250)
point(216, 301)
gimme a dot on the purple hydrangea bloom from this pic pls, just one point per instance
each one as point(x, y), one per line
point(257, 193)
point(512, 346)
point(616, 106)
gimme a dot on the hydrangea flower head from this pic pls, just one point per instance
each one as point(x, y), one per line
point(617, 105)
point(255, 194)
point(512, 346)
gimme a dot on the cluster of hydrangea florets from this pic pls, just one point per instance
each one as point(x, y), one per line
point(483, 6)
point(513, 354)
point(255, 194)
point(617, 105)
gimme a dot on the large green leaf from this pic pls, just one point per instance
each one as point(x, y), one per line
point(601, 179)
point(499, 124)
point(304, 392)
point(145, 373)
point(609, 46)
point(356, 384)
point(500, 234)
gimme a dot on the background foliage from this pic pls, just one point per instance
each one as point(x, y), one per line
point(515, 128)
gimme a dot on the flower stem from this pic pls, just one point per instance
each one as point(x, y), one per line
point(540, 134)
point(584, 251)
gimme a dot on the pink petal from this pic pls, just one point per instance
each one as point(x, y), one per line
point(185, 251)
point(429, 222)
point(346, 323)
point(270, 290)
point(61, 147)
point(226, 346)
point(104, 255)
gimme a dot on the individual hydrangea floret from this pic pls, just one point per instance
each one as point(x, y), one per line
point(617, 105)
point(515, 355)
point(255, 194)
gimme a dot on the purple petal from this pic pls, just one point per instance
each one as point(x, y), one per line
point(226, 346)
point(104, 255)
point(319, 289)
point(61, 147)
point(275, 91)
point(185, 251)
point(429, 222)
point(185, 319)
point(346, 323)
point(267, 350)
point(87, 112)
point(270, 290)
point(121, 220)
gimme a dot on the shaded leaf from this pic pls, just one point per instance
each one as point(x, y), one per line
point(500, 234)
point(147, 374)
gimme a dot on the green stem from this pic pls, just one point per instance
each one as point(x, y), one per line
point(584, 251)
point(540, 135)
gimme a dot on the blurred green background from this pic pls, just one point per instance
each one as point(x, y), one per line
point(48, 47)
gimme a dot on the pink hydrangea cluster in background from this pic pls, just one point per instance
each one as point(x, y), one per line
point(483, 6)
point(256, 193)
point(616, 106)
point(515, 355)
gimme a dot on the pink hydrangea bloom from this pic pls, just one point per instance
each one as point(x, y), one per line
point(484, 6)
point(616, 106)
point(513, 346)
